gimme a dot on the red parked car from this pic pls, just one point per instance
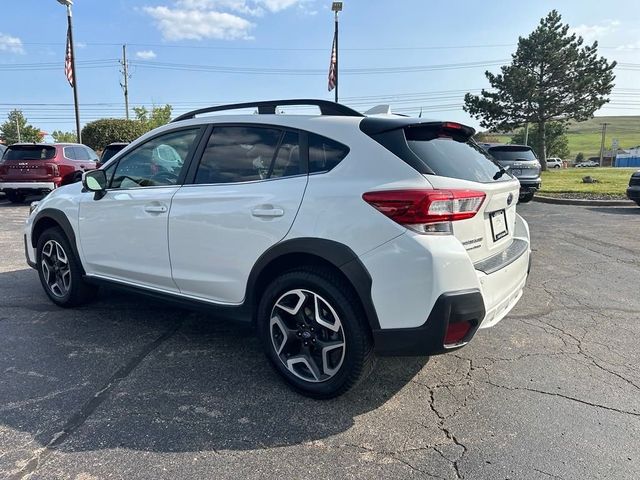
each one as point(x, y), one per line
point(37, 168)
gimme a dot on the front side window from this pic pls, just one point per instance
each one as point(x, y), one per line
point(157, 162)
point(244, 154)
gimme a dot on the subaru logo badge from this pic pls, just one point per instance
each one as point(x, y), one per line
point(510, 199)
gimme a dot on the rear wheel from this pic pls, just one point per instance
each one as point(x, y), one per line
point(556, 166)
point(314, 332)
point(15, 197)
point(526, 197)
point(60, 271)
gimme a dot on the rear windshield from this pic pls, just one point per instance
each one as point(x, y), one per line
point(454, 157)
point(512, 154)
point(29, 152)
point(110, 152)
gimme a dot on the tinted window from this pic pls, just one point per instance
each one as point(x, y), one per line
point(511, 154)
point(238, 154)
point(93, 156)
point(451, 154)
point(155, 163)
point(324, 153)
point(29, 152)
point(287, 161)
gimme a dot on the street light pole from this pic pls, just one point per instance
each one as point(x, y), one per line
point(68, 3)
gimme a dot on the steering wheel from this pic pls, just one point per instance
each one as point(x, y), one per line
point(166, 177)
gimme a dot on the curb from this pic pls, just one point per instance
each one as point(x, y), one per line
point(584, 203)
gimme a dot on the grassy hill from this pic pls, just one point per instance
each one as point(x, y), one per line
point(585, 136)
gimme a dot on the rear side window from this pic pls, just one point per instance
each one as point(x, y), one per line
point(81, 153)
point(29, 152)
point(324, 153)
point(244, 154)
point(513, 154)
point(449, 155)
point(70, 153)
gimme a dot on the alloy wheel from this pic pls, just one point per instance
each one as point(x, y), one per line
point(55, 268)
point(307, 335)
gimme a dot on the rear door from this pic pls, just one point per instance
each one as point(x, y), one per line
point(243, 197)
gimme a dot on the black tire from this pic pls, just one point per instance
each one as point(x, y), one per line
point(527, 197)
point(556, 166)
point(16, 197)
point(78, 291)
point(357, 356)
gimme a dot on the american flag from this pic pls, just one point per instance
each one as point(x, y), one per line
point(332, 66)
point(68, 71)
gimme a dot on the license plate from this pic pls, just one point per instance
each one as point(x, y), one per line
point(516, 172)
point(498, 221)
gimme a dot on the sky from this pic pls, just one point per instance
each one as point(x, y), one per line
point(413, 54)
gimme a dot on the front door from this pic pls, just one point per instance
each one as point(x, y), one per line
point(242, 200)
point(123, 235)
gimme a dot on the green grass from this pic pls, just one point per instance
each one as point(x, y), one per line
point(611, 181)
point(585, 137)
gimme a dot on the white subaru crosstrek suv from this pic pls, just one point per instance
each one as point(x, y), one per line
point(337, 235)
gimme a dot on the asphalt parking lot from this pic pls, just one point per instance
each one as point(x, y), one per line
point(130, 388)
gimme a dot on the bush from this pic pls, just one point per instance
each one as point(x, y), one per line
point(100, 133)
point(580, 157)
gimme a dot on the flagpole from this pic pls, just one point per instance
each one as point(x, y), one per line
point(336, 34)
point(68, 4)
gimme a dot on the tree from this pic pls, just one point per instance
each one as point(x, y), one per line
point(9, 129)
point(557, 142)
point(552, 76)
point(64, 137)
point(579, 157)
point(155, 118)
point(100, 133)
point(487, 137)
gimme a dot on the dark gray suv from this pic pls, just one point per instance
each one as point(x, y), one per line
point(523, 164)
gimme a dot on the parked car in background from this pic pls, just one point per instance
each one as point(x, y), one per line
point(522, 163)
point(38, 168)
point(109, 151)
point(554, 162)
point(588, 163)
point(2, 149)
point(633, 191)
point(337, 235)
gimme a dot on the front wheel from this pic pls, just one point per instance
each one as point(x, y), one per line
point(314, 333)
point(556, 166)
point(60, 271)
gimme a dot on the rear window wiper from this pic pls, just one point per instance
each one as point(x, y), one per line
point(501, 172)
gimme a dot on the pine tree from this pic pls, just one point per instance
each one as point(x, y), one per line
point(552, 77)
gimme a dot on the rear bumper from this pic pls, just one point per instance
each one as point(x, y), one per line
point(428, 339)
point(530, 185)
point(27, 186)
point(423, 283)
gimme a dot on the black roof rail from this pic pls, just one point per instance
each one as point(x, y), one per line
point(269, 107)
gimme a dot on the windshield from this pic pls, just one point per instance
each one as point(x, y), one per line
point(29, 152)
point(511, 154)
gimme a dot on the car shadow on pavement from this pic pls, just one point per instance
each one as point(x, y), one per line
point(130, 372)
point(617, 210)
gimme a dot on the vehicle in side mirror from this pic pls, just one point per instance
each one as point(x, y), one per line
point(94, 181)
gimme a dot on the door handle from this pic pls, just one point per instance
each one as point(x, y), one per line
point(267, 212)
point(155, 208)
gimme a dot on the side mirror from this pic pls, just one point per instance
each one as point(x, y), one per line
point(94, 180)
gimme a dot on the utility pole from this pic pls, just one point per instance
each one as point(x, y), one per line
point(604, 133)
point(18, 130)
point(125, 85)
point(336, 7)
point(526, 133)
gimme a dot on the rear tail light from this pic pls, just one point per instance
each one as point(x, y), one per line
point(427, 211)
point(53, 169)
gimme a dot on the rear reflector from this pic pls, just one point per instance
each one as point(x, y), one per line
point(412, 207)
point(456, 332)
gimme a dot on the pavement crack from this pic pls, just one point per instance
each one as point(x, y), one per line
point(81, 416)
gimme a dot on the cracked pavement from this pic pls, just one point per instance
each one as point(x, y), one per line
point(130, 388)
